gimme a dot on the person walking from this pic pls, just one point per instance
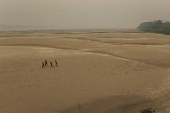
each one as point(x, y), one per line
point(51, 64)
point(56, 63)
point(45, 62)
point(43, 65)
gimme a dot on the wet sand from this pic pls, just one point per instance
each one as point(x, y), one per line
point(99, 71)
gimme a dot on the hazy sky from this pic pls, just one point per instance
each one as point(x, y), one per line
point(83, 13)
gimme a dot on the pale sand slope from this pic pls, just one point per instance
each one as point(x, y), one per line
point(94, 75)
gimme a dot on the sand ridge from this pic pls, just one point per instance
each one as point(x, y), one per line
point(94, 74)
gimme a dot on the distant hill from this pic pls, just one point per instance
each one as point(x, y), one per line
point(156, 26)
point(22, 27)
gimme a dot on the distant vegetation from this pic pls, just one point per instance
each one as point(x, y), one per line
point(156, 26)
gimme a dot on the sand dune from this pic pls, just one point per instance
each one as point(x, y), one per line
point(125, 72)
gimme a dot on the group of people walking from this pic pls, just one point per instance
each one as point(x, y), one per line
point(43, 65)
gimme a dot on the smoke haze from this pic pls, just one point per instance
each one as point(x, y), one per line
point(79, 14)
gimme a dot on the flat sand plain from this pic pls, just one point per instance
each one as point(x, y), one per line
point(99, 71)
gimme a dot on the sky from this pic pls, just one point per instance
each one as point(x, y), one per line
point(79, 14)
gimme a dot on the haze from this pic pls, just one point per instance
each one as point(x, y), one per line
point(83, 13)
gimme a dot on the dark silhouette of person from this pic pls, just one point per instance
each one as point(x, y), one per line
point(56, 63)
point(45, 62)
point(51, 64)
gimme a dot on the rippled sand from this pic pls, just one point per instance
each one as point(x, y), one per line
point(99, 71)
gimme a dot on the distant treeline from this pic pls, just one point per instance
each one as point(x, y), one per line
point(156, 26)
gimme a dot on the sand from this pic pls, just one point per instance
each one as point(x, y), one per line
point(99, 71)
